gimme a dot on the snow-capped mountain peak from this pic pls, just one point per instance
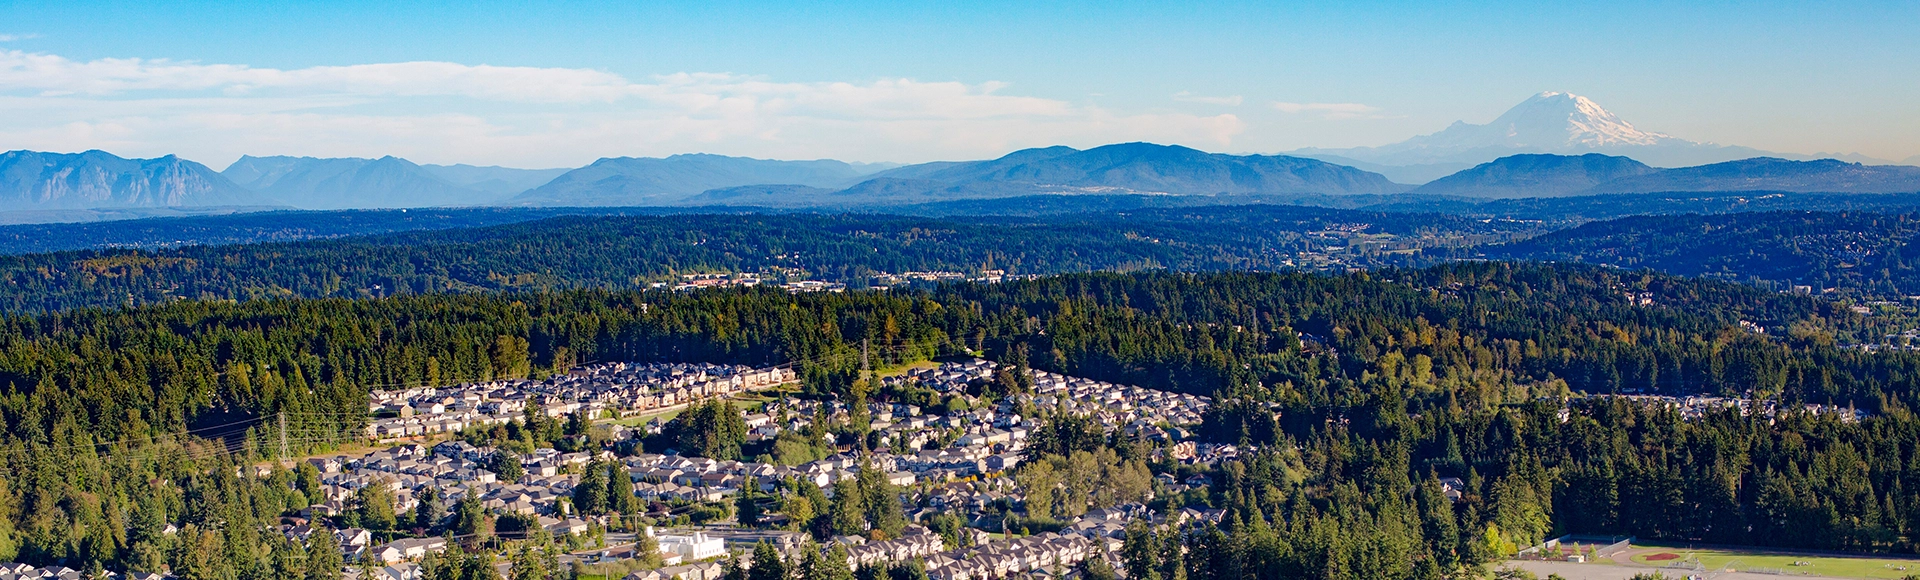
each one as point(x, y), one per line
point(1551, 122)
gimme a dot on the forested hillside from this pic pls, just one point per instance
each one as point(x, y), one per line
point(1576, 210)
point(1858, 253)
point(287, 226)
point(631, 251)
point(1360, 388)
point(268, 226)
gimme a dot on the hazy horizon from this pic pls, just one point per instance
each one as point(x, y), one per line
point(562, 85)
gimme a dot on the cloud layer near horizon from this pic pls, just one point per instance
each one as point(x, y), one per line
point(445, 112)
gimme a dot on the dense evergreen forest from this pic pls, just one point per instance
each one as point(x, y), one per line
point(631, 251)
point(1361, 390)
point(291, 225)
point(271, 226)
point(1857, 253)
point(1580, 209)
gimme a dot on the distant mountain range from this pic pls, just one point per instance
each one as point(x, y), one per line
point(387, 182)
point(633, 181)
point(343, 183)
point(1552, 145)
point(1551, 122)
point(1536, 175)
point(1772, 174)
point(32, 180)
point(1417, 173)
point(39, 187)
point(1541, 175)
point(1122, 168)
point(1126, 168)
point(1150, 168)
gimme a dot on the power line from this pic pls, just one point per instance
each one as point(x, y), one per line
point(154, 438)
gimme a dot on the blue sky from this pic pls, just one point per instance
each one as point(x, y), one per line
point(555, 83)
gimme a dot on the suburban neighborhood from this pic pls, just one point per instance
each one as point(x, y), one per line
point(956, 458)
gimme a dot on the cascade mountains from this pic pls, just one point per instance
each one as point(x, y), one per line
point(95, 180)
point(1551, 145)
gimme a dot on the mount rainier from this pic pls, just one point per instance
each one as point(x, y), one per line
point(1550, 122)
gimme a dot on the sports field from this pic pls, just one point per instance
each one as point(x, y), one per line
point(1765, 561)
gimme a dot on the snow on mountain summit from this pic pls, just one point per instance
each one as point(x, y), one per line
point(1551, 122)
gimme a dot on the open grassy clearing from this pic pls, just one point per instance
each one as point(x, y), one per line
point(750, 403)
point(643, 418)
point(894, 371)
point(1760, 559)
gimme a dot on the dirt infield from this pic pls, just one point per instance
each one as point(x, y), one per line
point(1663, 556)
point(1625, 557)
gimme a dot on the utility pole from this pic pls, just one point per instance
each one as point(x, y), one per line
point(283, 439)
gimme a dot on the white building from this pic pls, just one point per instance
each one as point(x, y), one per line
point(697, 546)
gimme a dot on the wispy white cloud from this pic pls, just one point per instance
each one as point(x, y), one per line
point(1332, 111)
point(1188, 97)
point(444, 112)
point(58, 75)
point(15, 37)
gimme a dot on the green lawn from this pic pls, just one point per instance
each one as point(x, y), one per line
point(895, 371)
point(747, 403)
point(752, 403)
point(643, 418)
point(1838, 567)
